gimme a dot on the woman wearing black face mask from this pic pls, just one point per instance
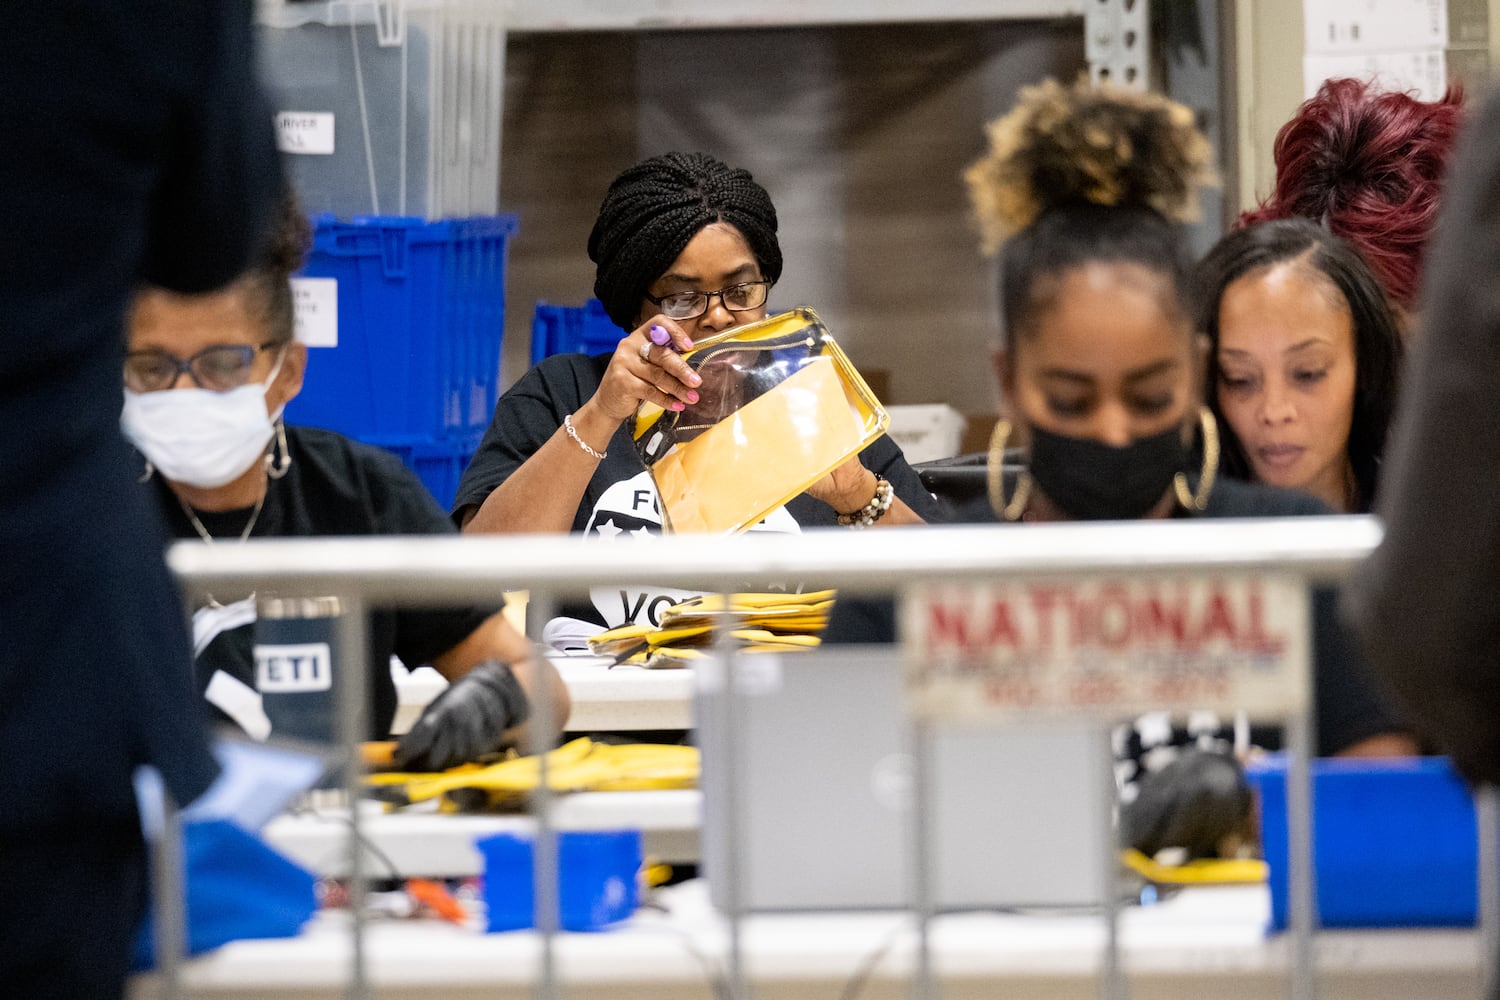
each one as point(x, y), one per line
point(1102, 372)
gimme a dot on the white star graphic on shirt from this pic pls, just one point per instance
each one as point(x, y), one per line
point(642, 532)
point(609, 529)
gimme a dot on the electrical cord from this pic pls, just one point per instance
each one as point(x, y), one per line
point(868, 964)
point(713, 972)
point(368, 845)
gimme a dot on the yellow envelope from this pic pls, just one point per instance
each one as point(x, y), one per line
point(780, 407)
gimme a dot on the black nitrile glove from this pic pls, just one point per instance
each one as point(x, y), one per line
point(1197, 803)
point(465, 721)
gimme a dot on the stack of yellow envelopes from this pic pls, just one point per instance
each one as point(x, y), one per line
point(578, 766)
point(760, 623)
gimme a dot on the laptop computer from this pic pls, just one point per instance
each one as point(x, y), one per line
point(824, 794)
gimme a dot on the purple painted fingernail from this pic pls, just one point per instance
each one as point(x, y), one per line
point(659, 335)
point(692, 397)
point(678, 407)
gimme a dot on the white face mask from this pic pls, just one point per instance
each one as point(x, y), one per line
point(198, 436)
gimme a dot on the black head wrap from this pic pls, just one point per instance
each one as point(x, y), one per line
point(654, 209)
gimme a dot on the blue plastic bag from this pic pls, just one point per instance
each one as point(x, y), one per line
point(237, 888)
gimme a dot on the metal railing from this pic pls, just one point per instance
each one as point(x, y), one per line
point(387, 572)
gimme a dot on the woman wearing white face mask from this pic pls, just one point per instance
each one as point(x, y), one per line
point(206, 380)
point(206, 434)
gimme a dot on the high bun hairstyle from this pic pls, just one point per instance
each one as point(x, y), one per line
point(1082, 174)
point(654, 209)
point(1369, 165)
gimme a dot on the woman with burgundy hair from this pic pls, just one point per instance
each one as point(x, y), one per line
point(1368, 165)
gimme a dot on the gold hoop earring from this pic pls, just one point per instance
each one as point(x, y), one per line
point(1210, 471)
point(995, 470)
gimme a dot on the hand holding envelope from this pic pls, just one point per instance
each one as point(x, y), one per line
point(779, 408)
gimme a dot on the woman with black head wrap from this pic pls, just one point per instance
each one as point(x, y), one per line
point(685, 247)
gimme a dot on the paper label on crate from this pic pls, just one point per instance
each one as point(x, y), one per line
point(1108, 647)
point(293, 668)
point(305, 132)
point(315, 311)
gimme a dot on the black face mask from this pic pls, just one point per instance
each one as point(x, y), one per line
point(1092, 481)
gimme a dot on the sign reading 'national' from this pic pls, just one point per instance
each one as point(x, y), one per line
point(1109, 646)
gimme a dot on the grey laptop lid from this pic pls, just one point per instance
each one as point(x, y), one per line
point(823, 801)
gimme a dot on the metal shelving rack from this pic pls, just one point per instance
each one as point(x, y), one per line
point(465, 82)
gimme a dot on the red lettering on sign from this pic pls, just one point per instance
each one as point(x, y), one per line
point(1044, 603)
point(1095, 689)
point(1164, 618)
point(1257, 640)
point(947, 627)
point(1218, 620)
point(1002, 628)
point(1081, 621)
point(1014, 691)
point(1113, 616)
point(1170, 687)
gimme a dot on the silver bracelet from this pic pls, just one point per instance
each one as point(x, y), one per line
point(873, 511)
point(568, 426)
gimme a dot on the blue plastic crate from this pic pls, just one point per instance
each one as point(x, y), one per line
point(438, 462)
point(598, 875)
point(421, 311)
point(581, 329)
point(1394, 842)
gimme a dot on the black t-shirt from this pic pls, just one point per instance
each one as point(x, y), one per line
point(136, 148)
point(621, 500)
point(1348, 709)
point(334, 487)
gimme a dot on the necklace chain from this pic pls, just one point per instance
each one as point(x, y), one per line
point(204, 534)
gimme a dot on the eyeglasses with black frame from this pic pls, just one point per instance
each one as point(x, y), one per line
point(221, 367)
point(742, 297)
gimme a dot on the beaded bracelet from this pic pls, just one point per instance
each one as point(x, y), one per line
point(875, 509)
point(568, 426)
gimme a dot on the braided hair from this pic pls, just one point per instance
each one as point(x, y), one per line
point(655, 208)
point(1082, 174)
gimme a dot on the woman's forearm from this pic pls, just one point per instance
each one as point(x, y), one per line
point(544, 493)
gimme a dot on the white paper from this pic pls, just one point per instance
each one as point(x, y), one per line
point(1422, 73)
point(240, 702)
point(305, 132)
point(256, 782)
point(315, 311)
point(1361, 26)
point(570, 635)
